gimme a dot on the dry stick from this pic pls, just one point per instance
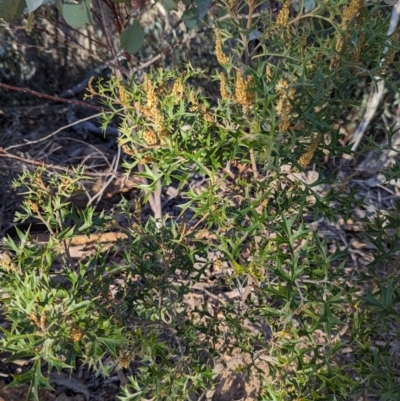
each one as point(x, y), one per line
point(376, 95)
point(54, 98)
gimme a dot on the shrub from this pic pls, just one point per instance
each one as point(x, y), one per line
point(249, 230)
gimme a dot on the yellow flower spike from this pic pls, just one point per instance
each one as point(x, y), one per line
point(390, 56)
point(250, 96)
point(143, 110)
point(306, 157)
point(75, 333)
point(147, 159)
point(284, 125)
point(125, 358)
point(158, 118)
point(122, 95)
point(268, 73)
point(240, 89)
point(39, 181)
point(127, 150)
point(224, 92)
point(177, 91)
point(221, 57)
point(351, 11)
point(33, 206)
point(209, 118)
point(218, 265)
point(146, 82)
point(33, 318)
point(242, 94)
point(150, 137)
point(149, 89)
point(283, 16)
point(90, 89)
point(6, 262)
point(282, 85)
point(283, 106)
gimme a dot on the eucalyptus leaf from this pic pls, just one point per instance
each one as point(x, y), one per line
point(76, 15)
point(33, 5)
point(11, 10)
point(132, 38)
point(191, 18)
point(203, 6)
point(170, 5)
point(308, 5)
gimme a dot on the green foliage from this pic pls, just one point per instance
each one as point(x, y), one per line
point(250, 224)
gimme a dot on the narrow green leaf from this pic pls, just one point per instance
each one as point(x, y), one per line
point(75, 307)
point(35, 378)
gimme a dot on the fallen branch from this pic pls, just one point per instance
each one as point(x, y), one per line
point(50, 97)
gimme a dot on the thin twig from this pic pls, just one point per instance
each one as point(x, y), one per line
point(169, 50)
point(254, 164)
point(4, 153)
point(112, 173)
point(109, 37)
point(97, 150)
point(55, 132)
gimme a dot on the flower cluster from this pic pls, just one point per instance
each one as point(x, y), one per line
point(221, 57)
point(223, 90)
point(200, 108)
point(283, 107)
point(283, 16)
point(151, 110)
point(351, 11)
point(242, 94)
point(306, 157)
point(177, 91)
point(122, 95)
